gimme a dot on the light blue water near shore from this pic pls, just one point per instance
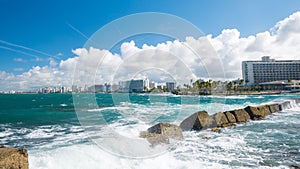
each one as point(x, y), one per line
point(48, 127)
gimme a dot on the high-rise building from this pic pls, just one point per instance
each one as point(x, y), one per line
point(268, 70)
point(134, 85)
point(170, 86)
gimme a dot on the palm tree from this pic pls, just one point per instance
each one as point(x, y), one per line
point(241, 82)
point(234, 85)
point(229, 86)
point(247, 81)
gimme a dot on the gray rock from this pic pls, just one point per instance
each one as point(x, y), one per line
point(166, 129)
point(258, 112)
point(155, 139)
point(241, 115)
point(196, 121)
point(274, 108)
point(285, 105)
point(161, 133)
point(220, 119)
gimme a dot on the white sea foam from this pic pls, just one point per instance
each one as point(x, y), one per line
point(63, 105)
point(240, 146)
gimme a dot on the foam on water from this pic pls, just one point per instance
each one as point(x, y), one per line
point(269, 143)
point(242, 146)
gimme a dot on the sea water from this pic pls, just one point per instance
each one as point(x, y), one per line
point(47, 126)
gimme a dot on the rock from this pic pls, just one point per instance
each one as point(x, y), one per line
point(166, 129)
point(210, 122)
point(230, 117)
point(228, 125)
point(196, 121)
point(220, 119)
point(155, 139)
point(297, 101)
point(274, 108)
point(241, 115)
point(13, 158)
point(215, 129)
point(258, 112)
point(284, 105)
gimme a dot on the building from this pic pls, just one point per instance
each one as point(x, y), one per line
point(170, 86)
point(152, 85)
point(139, 85)
point(97, 88)
point(269, 70)
point(161, 86)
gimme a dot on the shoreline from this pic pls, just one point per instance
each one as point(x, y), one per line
point(188, 93)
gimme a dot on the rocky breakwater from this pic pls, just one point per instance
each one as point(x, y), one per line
point(202, 120)
point(162, 133)
point(13, 158)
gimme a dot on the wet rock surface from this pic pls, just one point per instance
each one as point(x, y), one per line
point(241, 115)
point(259, 112)
point(162, 133)
point(196, 121)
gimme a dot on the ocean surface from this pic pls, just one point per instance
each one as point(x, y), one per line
point(60, 132)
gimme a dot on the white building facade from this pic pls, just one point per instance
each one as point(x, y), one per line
point(268, 70)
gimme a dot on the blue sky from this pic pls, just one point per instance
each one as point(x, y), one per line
point(49, 26)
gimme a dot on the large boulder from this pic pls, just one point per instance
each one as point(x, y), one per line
point(220, 119)
point(297, 101)
point(259, 112)
point(166, 129)
point(155, 139)
point(274, 108)
point(13, 158)
point(241, 115)
point(285, 105)
point(161, 133)
point(230, 117)
point(196, 121)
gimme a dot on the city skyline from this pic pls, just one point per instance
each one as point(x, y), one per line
point(27, 64)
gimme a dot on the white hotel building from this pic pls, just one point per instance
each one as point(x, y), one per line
point(268, 70)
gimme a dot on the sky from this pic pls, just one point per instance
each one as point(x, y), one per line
point(38, 39)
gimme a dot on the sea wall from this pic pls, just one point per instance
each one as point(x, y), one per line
point(201, 120)
point(13, 158)
point(162, 132)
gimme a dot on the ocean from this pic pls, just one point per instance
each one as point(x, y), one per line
point(61, 132)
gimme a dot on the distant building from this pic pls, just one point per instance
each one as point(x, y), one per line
point(269, 70)
point(170, 86)
point(97, 88)
point(161, 86)
point(140, 85)
point(74, 89)
point(152, 85)
point(281, 85)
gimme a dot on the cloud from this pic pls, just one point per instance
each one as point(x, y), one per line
point(19, 60)
point(59, 54)
point(287, 28)
point(280, 42)
point(211, 57)
point(18, 69)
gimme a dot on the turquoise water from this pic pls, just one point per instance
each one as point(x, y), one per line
point(47, 125)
